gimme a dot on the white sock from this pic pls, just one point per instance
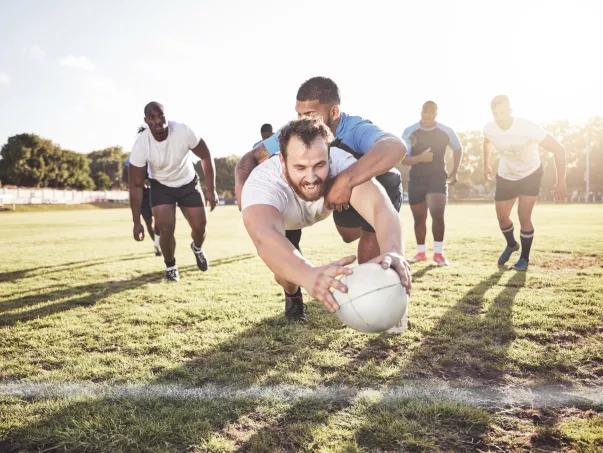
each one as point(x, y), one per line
point(170, 268)
point(157, 240)
point(421, 248)
point(438, 247)
point(197, 249)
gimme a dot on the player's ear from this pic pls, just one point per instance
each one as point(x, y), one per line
point(334, 112)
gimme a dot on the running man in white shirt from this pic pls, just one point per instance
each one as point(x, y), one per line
point(287, 192)
point(519, 174)
point(164, 147)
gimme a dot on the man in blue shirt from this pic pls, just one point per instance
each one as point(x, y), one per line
point(427, 142)
point(377, 153)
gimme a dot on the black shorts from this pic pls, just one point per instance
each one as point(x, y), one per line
point(349, 218)
point(187, 196)
point(509, 190)
point(420, 186)
point(145, 207)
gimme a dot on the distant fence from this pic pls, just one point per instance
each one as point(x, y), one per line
point(27, 195)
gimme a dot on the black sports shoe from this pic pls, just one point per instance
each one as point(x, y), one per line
point(506, 254)
point(294, 308)
point(171, 274)
point(200, 257)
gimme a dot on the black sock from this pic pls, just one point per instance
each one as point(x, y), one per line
point(296, 293)
point(526, 243)
point(508, 234)
point(170, 263)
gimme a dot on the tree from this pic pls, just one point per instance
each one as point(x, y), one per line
point(225, 167)
point(25, 160)
point(107, 166)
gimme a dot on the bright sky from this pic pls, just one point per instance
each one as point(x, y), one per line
point(80, 72)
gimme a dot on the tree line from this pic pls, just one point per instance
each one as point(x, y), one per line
point(32, 161)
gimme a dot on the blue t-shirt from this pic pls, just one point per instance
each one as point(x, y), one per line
point(355, 132)
point(438, 137)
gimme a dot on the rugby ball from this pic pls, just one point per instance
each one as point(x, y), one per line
point(375, 301)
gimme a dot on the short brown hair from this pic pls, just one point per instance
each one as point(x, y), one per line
point(306, 129)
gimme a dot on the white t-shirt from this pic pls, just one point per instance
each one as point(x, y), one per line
point(518, 147)
point(169, 161)
point(267, 185)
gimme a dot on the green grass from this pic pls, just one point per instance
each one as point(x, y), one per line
point(82, 301)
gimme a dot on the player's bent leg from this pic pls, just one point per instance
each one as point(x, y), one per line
point(294, 301)
point(165, 222)
point(197, 220)
point(503, 214)
point(419, 214)
point(368, 246)
point(349, 234)
point(524, 211)
point(436, 203)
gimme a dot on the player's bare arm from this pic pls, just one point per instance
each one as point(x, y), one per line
point(382, 157)
point(136, 177)
point(264, 224)
point(245, 166)
point(372, 203)
point(550, 144)
point(209, 170)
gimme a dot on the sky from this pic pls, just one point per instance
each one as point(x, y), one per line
point(80, 72)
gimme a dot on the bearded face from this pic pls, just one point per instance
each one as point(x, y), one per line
point(307, 168)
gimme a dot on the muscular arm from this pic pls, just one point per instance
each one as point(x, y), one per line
point(136, 177)
point(550, 144)
point(372, 203)
point(383, 156)
point(265, 225)
point(207, 163)
point(245, 166)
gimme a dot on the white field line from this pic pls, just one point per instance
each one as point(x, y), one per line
point(478, 395)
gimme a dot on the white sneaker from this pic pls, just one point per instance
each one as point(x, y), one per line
point(402, 325)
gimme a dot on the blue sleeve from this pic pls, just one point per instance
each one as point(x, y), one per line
point(272, 144)
point(453, 139)
point(365, 135)
point(406, 138)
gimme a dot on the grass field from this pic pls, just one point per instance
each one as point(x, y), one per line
point(97, 353)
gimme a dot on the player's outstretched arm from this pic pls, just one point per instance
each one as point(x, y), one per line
point(382, 157)
point(136, 177)
point(245, 166)
point(550, 144)
point(264, 224)
point(209, 170)
point(372, 203)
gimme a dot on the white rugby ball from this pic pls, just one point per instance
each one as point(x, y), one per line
point(375, 301)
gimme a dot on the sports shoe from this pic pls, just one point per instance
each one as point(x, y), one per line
point(420, 256)
point(171, 274)
point(200, 257)
point(506, 254)
point(294, 308)
point(157, 250)
point(440, 260)
point(399, 328)
point(521, 265)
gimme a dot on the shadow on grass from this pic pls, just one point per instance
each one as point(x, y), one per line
point(73, 265)
point(270, 350)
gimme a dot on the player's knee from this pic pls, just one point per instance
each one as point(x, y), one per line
point(167, 228)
